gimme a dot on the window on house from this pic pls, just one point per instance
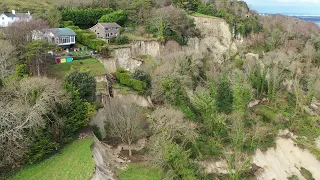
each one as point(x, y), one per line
point(72, 39)
point(107, 28)
point(64, 40)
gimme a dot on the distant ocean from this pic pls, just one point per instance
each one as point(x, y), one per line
point(313, 18)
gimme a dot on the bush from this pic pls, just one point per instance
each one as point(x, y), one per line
point(21, 70)
point(96, 132)
point(138, 85)
point(142, 76)
point(67, 23)
point(119, 17)
point(88, 38)
point(224, 96)
point(84, 16)
point(126, 78)
point(122, 39)
point(84, 83)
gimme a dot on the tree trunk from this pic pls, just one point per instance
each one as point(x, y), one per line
point(130, 151)
point(38, 68)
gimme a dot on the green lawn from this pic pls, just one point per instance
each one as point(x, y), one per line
point(74, 162)
point(61, 70)
point(140, 171)
point(134, 37)
point(124, 89)
point(202, 15)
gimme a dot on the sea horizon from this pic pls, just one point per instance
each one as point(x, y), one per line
point(307, 17)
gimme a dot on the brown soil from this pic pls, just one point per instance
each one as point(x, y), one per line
point(134, 158)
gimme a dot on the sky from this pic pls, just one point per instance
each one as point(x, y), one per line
point(301, 7)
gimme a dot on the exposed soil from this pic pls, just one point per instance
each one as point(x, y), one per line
point(136, 156)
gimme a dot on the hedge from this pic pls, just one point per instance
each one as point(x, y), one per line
point(125, 77)
point(88, 38)
point(84, 16)
point(119, 17)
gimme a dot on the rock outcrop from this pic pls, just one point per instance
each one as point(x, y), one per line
point(216, 41)
point(280, 162)
point(106, 161)
point(285, 160)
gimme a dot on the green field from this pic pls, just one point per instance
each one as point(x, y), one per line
point(92, 65)
point(140, 171)
point(202, 15)
point(28, 5)
point(74, 162)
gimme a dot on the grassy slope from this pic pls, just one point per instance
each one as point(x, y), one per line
point(202, 15)
point(61, 70)
point(140, 171)
point(74, 162)
point(31, 5)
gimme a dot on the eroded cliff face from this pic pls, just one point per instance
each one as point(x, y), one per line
point(215, 41)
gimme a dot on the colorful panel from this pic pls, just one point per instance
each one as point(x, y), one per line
point(69, 59)
point(58, 61)
point(63, 60)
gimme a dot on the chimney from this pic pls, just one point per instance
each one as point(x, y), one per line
point(13, 11)
point(29, 12)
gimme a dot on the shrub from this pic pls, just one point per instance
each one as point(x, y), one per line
point(119, 17)
point(84, 83)
point(126, 78)
point(224, 96)
point(96, 132)
point(142, 76)
point(88, 38)
point(67, 23)
point(122, 39)
point(84, 16)
point(258, 80)
point(21, 70)
point(138, 85)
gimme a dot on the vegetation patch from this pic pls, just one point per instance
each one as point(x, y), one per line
point(140, 171)
point(74, 162)
point(92, 65)
point(203, 15)
point(306, 174)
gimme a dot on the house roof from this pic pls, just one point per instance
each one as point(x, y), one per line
point(18, 15)
point(110, 25)
point(61, 31)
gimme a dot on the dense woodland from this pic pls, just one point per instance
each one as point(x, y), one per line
point(201, 108)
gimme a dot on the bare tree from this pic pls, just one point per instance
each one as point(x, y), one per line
point(123, 121)
point(7, 61)
point(167, 125)
point(19, 33)
point(24, 108)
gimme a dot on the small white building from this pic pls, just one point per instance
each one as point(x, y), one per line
point(8, 18)
point(63, 37)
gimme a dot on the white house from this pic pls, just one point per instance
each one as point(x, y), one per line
point(8, 18)
point(63, 37)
